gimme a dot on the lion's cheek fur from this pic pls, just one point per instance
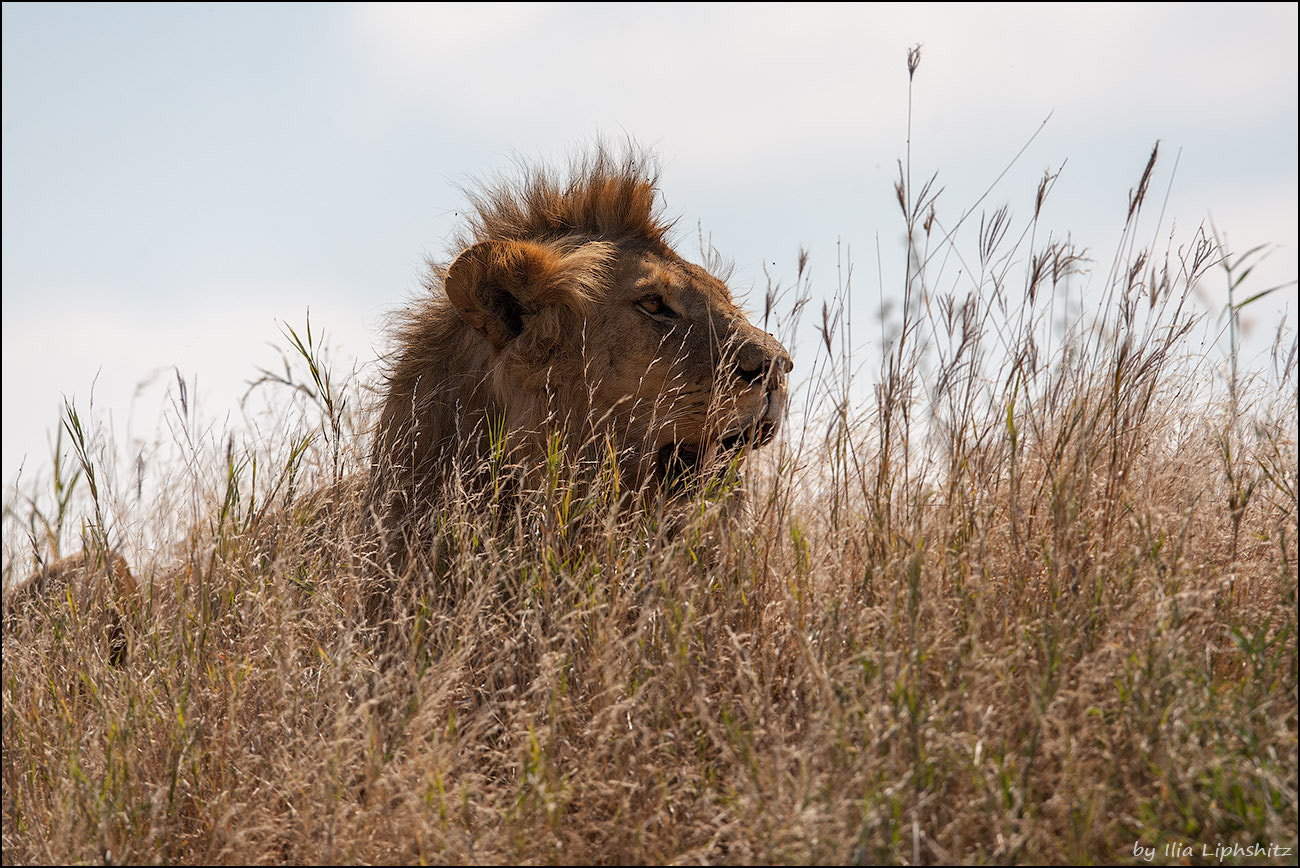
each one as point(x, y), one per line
point(538, 375)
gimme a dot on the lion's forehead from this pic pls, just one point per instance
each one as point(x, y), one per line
point(678, 280)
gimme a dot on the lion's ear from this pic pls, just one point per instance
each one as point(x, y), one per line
point(494, 285)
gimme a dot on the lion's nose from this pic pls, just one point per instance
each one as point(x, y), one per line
point(756, 361)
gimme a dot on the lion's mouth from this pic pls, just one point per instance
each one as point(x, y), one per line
point(680, 461)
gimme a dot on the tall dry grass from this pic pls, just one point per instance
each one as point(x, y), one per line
point(1032, 600)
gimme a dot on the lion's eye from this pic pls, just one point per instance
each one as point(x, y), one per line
point(655, 306)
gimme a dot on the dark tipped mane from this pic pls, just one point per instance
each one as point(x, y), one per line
point(611, 196)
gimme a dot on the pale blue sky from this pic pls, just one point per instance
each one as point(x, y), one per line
point(179, 179)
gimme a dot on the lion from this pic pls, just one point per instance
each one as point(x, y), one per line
point(98, 582)
point(565, 312)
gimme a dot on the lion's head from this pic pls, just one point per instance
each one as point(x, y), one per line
point(565, 310)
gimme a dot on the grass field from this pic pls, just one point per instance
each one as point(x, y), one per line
point(1031, 597)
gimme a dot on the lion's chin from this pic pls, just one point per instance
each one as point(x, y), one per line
point(678, 463)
